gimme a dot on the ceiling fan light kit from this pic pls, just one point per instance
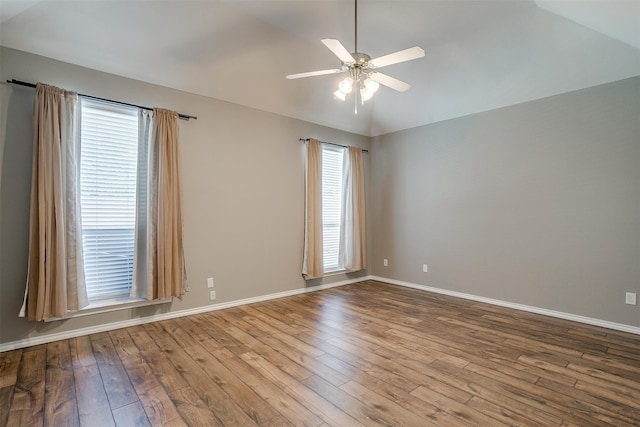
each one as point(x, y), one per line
point(368, 89)
point(361, 69)
point(340, 95)
point(346, 85)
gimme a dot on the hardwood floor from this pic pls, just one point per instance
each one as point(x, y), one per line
point(363, 354)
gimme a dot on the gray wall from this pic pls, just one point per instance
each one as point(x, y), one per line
point(243, 191)
point(537, 203)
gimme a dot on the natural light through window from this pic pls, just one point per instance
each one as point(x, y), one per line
point(108, 175)
point(332, 187)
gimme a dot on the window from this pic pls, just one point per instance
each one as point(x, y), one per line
point(108, 184)
point(332, 195)
point(334, 210)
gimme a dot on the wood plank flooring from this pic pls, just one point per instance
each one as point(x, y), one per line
point(363, 354)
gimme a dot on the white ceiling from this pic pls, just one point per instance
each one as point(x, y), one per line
point(480, 55)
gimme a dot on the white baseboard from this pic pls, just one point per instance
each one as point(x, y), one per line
point(531, 309)
point(27, 342)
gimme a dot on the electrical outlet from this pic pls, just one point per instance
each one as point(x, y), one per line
point(630, 298)
point(425, 268)
point(210, 282)
point(385, 262)
point(212, 295)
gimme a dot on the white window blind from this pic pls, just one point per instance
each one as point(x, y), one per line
point(108, 173)
point(332, 158)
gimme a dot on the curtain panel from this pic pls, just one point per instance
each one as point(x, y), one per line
point(55, 274)
point(353, 254)
point(159, 272)
point(146, 195)
point(312, 258)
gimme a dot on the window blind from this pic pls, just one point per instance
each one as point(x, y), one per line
point(108, 175)
point(332, 158)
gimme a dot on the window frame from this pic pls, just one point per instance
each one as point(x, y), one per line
point(334, 267)
point(121, 295)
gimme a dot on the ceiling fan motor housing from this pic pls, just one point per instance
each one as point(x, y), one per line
point(358, 67)
point(362, 60)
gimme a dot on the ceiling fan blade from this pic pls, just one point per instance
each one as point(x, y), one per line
point(396, 57)
point(339, 50)
point(313, 73)
point(389, 81)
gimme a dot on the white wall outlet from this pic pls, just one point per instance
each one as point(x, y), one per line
point(425, 268)
point(212, 295)
point(385, 262)
point(210, 282)
point(630, 298)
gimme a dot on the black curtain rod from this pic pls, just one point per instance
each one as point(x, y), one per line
point(181, 116)
point(364, 150)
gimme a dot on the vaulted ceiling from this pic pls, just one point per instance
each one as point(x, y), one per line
point(480, 55)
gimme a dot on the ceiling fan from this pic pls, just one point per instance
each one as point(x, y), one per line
point(361, 68)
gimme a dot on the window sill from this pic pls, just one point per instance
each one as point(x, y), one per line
point(106, 306)
point(335, 272)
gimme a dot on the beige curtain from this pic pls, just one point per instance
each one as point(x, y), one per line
point(146, 199)
point(55, 275)
point(5, 94)
point(353, 254)
point(312, 259)
point(164, 257)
